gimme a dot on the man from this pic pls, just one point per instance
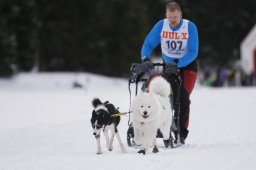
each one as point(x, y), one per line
point(179, 44)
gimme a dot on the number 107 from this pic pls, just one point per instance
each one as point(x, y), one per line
point(174, 44)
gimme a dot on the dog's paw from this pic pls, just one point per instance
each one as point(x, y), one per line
point(155, 150)
point(124, 150)
point(98, 153)
point(166, 143)
point(110, 148)
point(142, 151)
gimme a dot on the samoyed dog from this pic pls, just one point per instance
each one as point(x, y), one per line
point(152, 111)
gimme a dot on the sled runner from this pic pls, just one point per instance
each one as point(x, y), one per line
point(141, 76)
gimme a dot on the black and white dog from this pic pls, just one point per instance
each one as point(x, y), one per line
point(104, 118)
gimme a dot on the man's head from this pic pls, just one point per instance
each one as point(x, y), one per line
point(173, 13)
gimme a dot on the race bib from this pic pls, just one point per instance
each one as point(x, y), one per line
point(174, 43)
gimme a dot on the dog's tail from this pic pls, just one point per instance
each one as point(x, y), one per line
point(160, 86)
point(96, 102)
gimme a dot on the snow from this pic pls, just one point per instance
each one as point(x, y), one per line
point(45, 125)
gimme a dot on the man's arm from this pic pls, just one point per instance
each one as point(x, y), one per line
point(192, 46)
point(151, 41)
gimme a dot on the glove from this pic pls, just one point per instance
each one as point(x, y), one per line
point(148, 65)
point(138, 69)
point(171, 68)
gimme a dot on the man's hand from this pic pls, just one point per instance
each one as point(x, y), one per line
point(138, 69)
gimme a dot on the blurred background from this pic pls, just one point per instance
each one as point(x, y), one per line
point(105, 37)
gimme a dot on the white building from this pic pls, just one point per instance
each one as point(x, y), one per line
point(248, 52)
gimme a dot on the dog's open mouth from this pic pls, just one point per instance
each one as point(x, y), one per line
point(145, 116)
point(97, 136)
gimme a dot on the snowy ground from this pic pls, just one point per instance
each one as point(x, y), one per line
point(44, 125)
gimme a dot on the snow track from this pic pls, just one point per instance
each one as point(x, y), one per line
point(44, 125)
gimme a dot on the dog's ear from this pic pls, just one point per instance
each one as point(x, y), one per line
point(96, 102)
point(93, 119)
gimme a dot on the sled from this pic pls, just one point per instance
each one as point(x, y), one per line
point(142, 80)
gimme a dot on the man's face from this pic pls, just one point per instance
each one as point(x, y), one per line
point(174, 17)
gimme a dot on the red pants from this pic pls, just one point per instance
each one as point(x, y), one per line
point(188, 82)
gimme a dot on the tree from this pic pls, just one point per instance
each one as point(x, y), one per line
point(105, 37)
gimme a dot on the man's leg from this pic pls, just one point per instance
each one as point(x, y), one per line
point(172, 79)
point(188, 82)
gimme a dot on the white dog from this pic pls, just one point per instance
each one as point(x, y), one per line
point(151, 111)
